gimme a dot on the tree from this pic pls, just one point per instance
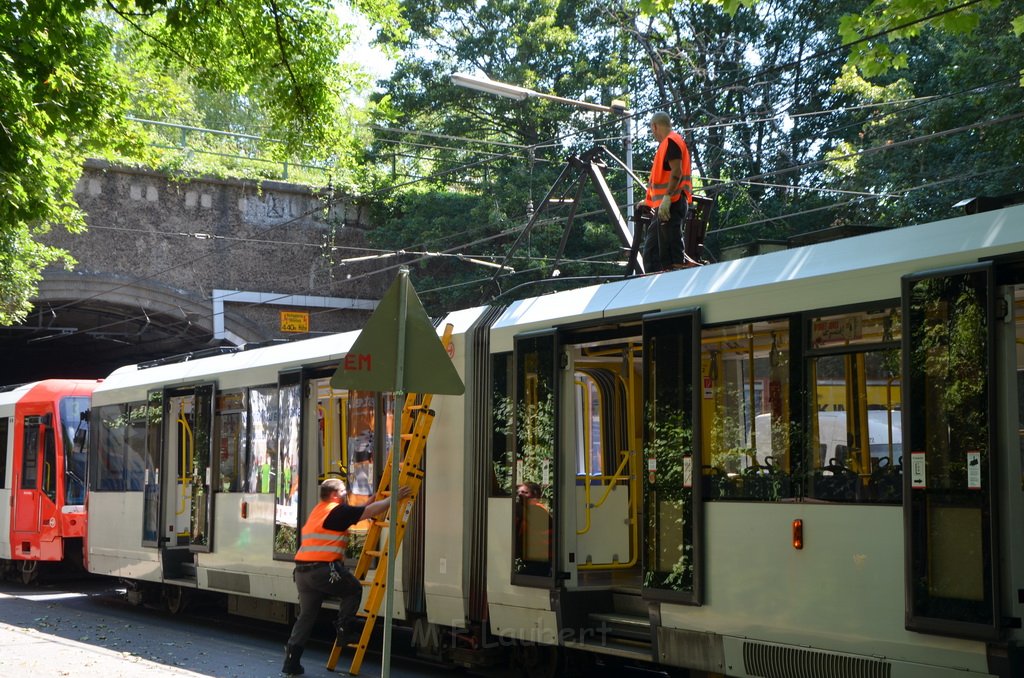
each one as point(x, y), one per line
point(67, 85)
point(962, 136)
point(553, 46)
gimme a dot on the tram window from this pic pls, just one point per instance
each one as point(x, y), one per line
point(107, 473)
point(745, 411)
point(257, 468)
point(856, 430)
point(135, 447)
point(49, 485)
point(589, 439)
point(534, 416)
point(503, 442)
point(4, 427)
point(230, 434)
point(332, 420)
point(74, 417)
point(30, 454)
point(287, 497)
point(362, 422)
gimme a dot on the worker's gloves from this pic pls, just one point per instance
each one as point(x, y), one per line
point(663, 209)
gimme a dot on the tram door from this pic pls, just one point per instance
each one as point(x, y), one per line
point(605, 444)
point(186, 490)
point(36, 528)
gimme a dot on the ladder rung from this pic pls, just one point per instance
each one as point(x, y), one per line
point(375, 554)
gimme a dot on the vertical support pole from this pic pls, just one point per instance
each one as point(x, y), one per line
point(396, 450)
point(627, 142)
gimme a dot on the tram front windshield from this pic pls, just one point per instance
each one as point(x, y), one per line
point(74, 413)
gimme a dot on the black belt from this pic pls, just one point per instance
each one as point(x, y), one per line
point(306, 567)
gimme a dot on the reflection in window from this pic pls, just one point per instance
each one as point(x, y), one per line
point(362, 413)
point(262, 450)
point(151, 477)
point(535, 441)
point(135, 448)
point(231, 433)
point(503, 441)
point(74, 412)
point(287, 491)
point(30, 454)
point(107, 466)
point(951, 500)
point(672, 561)
point(745, 414)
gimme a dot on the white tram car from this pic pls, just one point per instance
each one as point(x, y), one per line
point(690, 498)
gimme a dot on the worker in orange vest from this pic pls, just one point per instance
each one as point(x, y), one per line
point(320, 566)
point(669, 195)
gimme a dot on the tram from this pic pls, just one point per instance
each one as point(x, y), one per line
point(44, 429)
point(807, 462)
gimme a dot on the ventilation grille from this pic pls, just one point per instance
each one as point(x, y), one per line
point(777, 661)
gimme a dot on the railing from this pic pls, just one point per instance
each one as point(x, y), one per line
point(180, 134)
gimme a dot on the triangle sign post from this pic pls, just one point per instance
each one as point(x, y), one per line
point(397, 351)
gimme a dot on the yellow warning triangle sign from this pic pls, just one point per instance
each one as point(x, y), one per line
point(380, 361)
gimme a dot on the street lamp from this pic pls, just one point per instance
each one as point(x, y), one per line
point(618, 107)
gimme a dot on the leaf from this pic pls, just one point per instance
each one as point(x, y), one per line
point(1018, 25)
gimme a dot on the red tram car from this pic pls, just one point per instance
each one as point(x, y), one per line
point(43, 454)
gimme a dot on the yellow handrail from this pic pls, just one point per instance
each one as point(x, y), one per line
point(185, 454)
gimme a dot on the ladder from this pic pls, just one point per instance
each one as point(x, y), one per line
point(417, 418)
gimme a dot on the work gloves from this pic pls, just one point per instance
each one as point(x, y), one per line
point(663, 209)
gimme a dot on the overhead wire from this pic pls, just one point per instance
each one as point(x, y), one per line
point(332, 201)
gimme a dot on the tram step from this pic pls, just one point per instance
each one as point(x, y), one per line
point(621, 626)
point(617, 647)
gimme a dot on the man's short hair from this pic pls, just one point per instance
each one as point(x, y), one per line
point(330, 486)
point(661, 118)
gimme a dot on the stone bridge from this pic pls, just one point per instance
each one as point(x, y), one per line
point(171, 266)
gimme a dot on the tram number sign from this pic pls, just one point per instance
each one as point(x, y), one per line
point(294, 321)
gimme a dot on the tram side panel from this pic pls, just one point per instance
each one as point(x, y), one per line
point(449, 492)
point(7, 403)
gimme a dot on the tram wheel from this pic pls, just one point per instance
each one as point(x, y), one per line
point(29, 571)
point(176, 598)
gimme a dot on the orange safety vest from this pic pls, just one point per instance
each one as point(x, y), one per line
point(660, 176)
point(320, 544)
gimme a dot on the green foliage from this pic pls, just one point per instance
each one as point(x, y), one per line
point(535, 435)
point(875, 31)
point(72, 70)
point(554, 46)
point(730, 6)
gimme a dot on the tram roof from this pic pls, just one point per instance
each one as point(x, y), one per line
point(829, 274)
point(230, 370)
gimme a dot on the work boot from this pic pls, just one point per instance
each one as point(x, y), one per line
point(292, 667)
point(343, 636)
